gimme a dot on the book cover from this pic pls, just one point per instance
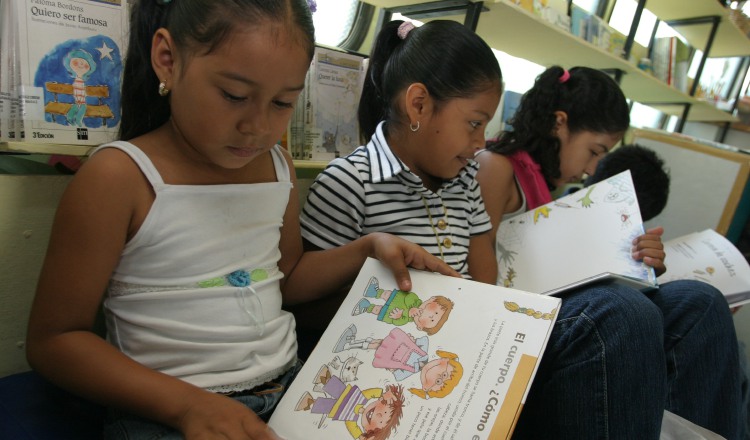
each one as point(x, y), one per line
point(331, 130)
point(452, 359)
point(709, 257)
point(70, 65)
point(574, 238)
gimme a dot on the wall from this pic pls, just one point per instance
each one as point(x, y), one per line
point(27, 206)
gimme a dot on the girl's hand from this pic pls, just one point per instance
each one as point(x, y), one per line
point(398, 254)
point(649, 249)
point(213, 416)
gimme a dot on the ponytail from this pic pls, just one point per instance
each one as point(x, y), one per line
point(142, 108)
point(592, 100)
point(373, 104)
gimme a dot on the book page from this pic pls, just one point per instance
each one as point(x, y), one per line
point(575, 237)
point(709, 257)
point(457, 372)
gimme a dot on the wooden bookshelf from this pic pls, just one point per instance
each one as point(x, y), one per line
point(304, 168)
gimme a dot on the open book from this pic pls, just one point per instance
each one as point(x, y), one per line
point(578, 239)
point(452, 359)
point(709, 257)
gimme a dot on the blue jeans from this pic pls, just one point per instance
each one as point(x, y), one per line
point(123, 426)
point(617, 358)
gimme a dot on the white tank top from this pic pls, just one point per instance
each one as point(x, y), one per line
point(196, 293)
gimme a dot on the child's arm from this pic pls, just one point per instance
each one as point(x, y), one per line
point(649, 248)
point(90, 229)
point(482, 260)
point(498, 184)
point(314, 274)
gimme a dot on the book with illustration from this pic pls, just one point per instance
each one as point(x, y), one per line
point(331, 127)
point(68, 70)
point(578, 239)
point(709, 257)
point(453, 358)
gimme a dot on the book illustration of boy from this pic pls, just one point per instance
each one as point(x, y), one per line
point(80, 65)
point(371, 413)
point(403, 307)
point(536, 314)
point(403, 355)
point(80, 80)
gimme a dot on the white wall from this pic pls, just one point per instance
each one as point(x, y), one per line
point(27, 206)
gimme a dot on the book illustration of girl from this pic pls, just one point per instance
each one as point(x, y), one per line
point(403, 307)
point(80, 65)
point(404, 355)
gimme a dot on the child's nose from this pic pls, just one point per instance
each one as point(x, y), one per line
point(254, 122)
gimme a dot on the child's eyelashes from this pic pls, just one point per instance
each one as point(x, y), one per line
point(231, 98)
point(283, 104)
point(475, 124)
point(240, 99)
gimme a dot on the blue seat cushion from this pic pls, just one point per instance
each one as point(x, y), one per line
point(33, 408)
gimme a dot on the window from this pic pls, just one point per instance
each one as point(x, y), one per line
point(333, 20)
point(622, 18)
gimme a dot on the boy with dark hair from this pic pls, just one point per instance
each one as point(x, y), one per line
point(650, 176)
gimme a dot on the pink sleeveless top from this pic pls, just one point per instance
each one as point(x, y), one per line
point(529, 177)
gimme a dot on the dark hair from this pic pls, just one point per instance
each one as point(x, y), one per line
point(592, 100)
point(650, 177)
point(448, 58)
point(195, 25)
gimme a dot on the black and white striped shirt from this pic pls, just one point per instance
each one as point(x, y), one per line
point(371, 190)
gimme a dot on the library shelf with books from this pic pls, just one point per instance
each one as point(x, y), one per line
point(501, 22)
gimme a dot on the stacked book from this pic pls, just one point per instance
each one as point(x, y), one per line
point(61, 70)
point(324, 125)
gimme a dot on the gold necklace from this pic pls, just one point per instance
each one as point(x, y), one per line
point(442, 224)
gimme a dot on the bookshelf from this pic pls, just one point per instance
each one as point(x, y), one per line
point(35, 148)
point(729, 41)
point(303, 168)
point(502, 24)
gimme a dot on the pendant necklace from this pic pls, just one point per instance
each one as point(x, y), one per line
point(442, 224)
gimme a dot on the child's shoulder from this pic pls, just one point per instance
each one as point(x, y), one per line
point(356, 163)
point(496, 165)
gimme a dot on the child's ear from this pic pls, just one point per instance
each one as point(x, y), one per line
point(162, 54)
point(418, 103)
point(561, 119)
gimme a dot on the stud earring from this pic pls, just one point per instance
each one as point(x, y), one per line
point(413, 128)
point(163, 90)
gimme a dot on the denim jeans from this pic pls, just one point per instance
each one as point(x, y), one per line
point(123, 426)
point(617, 358)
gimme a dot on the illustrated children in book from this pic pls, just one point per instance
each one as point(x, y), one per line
point(404, 355)
point(187, 231)
point(403, 307)
point(80, 64)
point(667, 342)
point(371, 413)
point(399, 351)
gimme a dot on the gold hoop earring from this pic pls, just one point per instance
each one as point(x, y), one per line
point(163, 90)
point(413, 128)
